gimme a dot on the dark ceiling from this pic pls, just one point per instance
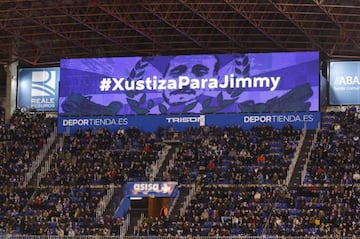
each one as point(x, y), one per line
point(41, 32)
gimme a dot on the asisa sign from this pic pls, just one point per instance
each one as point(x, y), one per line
point(158, 189)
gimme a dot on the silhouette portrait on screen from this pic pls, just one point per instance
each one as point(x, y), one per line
point(194, 67)
point(199, 67)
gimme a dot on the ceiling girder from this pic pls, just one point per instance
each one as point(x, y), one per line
point(245, 13)
point(14, 50)
point(131, 25)
point(70, 13)
point(194, 7)
point(164, 17)
point(284, 10)
point(45, 25)
point(343, 32)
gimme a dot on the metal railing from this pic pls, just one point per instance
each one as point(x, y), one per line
point(40, 157)
point(125, 226)
point(162, 155)
point(188, 199)
point(9, 236)
point(104, 201)
point(304, 170)
point(138, 223)
point(47, 164)
point(296, 157)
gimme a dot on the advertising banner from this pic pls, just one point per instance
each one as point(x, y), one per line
point(344, 83)
point(153, 189)
point(38, 88)
point(150, 123)
point(203, 84)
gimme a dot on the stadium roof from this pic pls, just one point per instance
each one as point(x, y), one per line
point(41, 32)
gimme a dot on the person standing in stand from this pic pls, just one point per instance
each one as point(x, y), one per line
point(164, 212)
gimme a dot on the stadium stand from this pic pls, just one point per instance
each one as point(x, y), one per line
point(230, 172)
point(271, 181)
point(334, 158)
point(24, 140)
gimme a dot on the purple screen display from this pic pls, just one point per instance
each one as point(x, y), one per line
point(224, 83)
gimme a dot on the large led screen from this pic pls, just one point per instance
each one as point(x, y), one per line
point(254, 82)
point(344, 82)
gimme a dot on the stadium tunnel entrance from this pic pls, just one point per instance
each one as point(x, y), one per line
point(152, 198)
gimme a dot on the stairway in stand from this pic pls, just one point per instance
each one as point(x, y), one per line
point(135, 216)
point(183, 193)
point(163, 168)
point(295, 180)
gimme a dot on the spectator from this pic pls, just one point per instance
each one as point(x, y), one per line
point(164, 212)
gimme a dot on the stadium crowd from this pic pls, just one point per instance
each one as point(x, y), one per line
point(335, 157)
point(257, 210)
point(239, 176)
point(21, 139)
point(104, 157)
point(236, 156)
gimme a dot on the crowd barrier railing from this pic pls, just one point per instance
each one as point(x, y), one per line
point(9, 236)
point(40, 157)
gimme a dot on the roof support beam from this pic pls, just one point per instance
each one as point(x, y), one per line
point(163, 17)
point(217, 26)
point(343, 32)
point(54, 31)
point(131, 25)
point(17, 37)
point(70, 13)
point(283, 10)
point(240, 9)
